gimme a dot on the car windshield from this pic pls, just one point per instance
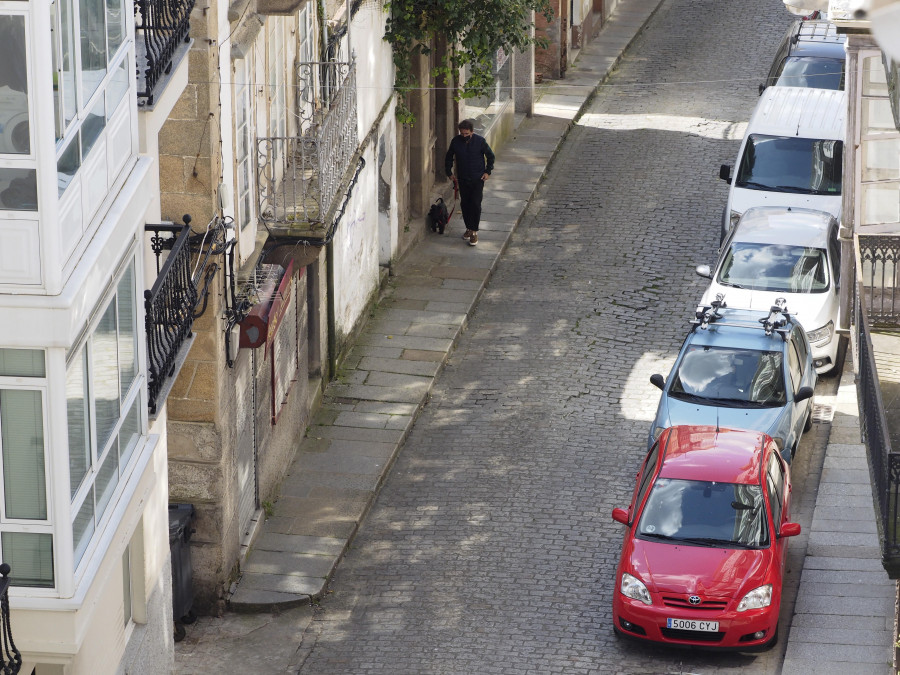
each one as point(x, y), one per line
point(811, 71)
point(772, 267)
point(730, 376)
point(705, 513)
point(784, 164)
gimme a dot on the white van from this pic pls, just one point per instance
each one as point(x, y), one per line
point(791, 155)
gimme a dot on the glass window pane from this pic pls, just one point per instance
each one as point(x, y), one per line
point(105, 375)
point(130, 432)
point(115, 21)
point(18, 189)
point(67, 60)
point(30, 558)
point(874, 79)
point(22, 440)
point(14, 128)
point(83, 527)
point(79, 422)
point(92, 127)
point(93, 45)
point(68, 164)
point(880, 203)
point(107, 479)
point(127, 331)
point(117, 88)
point(881, 159)
point(22, 362)
point(877, 117)
point(63, 65)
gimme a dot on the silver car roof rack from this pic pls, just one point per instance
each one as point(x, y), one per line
point(776, 322)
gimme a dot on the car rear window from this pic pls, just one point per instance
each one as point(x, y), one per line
point(787, 164)
point(730, 376)
point(705, 513)
point(811, 72)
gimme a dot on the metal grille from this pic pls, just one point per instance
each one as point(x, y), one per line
point(879, 256)
point(299, 177)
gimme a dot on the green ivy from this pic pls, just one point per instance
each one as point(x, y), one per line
point(474, 32)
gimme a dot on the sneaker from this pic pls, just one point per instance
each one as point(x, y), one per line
point(467, 234)
point(473, 238)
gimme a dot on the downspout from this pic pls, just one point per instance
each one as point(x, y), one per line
point(332, 329)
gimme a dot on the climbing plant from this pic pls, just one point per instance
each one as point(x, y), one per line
point(474, 31)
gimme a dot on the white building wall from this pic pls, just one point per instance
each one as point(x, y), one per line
point(362, 235)
point(356, 274)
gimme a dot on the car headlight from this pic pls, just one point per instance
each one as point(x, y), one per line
point(634, 588)
point(756, 599)
point(821, 335)
point(734, 217)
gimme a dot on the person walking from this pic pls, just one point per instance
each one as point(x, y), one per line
point(474, 163)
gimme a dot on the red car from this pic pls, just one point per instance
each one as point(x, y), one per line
point(703, 559)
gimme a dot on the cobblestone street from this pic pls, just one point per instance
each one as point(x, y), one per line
point(490, 548)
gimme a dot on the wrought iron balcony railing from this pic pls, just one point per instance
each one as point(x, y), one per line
point(875, 292)
point(879, 269)
point(300, 178)
point(10, 657)
point(168, 306)
point(160, 26)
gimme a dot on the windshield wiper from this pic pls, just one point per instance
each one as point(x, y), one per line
point(718, 543)
point(794, 188)
point(654, 535)
point(759, 186)
point(693, 398)
point(730, 283)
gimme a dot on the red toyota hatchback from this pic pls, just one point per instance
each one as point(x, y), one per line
point(703, 559)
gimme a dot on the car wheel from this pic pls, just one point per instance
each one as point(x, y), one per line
point(809, 420)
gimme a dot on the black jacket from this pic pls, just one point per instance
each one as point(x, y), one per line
point(473, 157)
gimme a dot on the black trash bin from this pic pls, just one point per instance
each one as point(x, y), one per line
point(180, 530)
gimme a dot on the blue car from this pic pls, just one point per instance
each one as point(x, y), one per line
point(741, 369)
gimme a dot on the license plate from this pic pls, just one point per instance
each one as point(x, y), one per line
point(693, 624)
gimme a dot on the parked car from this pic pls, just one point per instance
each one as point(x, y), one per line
point(777, 252)
point(811, 54)
point(791, 154)
point(741, 369)
point(703, 559)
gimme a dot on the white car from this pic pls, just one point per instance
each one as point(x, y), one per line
point(791, 155)
point(782, 252)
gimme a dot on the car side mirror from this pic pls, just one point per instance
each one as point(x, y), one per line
point(657, 381)
point(803, 394)
point(703, 271)
point(789, 530)
point(725, 172)
point(762, 88)
point(621, 516)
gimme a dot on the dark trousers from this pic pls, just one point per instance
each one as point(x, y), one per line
point(470, 193)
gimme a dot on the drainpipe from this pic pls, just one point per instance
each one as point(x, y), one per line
point(329, 302)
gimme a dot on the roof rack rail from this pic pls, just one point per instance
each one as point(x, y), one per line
point(776, 321)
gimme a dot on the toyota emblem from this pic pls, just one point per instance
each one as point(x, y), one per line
point(694, 599)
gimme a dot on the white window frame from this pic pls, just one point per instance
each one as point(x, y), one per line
point(244, 119)
point(132, 400)
point(29, 526)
